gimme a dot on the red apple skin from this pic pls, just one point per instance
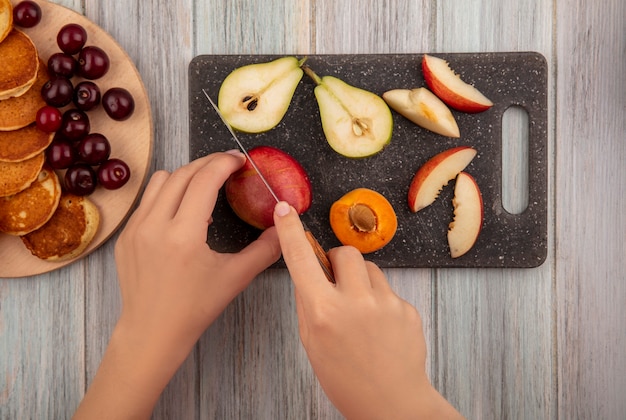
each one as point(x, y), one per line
point(451, 98)
point(250, 199)
point(425, 171)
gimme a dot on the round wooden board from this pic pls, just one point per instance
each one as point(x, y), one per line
point(131, 140)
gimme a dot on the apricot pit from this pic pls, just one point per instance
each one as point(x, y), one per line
point(364, 219)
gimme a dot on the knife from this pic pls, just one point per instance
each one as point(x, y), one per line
point(320, 254)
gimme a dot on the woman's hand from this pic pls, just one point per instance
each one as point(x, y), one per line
point(173, 286)
point(366, 344)
point(172, 283)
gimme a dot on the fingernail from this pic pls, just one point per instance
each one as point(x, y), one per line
point(235, 152)
point(282, 208)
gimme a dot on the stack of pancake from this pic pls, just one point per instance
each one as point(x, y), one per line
point(52, 224)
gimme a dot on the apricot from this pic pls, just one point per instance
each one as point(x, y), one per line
point(364, 219)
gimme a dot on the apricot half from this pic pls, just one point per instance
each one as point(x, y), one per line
point(364, 219)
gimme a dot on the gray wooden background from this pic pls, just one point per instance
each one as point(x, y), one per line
point(541, 343)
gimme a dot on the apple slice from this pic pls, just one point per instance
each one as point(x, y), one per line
point(424, 108)
point(435, 174)
point(463, 231)
point(449, 87)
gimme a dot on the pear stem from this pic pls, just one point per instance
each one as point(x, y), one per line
point(302, 61)
point(309, 72)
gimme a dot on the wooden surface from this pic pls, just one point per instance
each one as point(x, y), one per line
point(543, 343)
point(130, 140)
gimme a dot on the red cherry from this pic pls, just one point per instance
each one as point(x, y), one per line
point(60, 154)
point(49, 119)
point(80, 179)
point(27, 14)
point(93, 62)
point(118, 103)
point(71, 38)
point(94, 149)
point(113, 174)
point(74, 125)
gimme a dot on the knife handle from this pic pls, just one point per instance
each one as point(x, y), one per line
point(321, 256)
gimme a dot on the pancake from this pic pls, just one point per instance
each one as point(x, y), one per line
point(22, 144)
point(68, 233)
point(30, 209)
point(19, 62)
point(22, 110)
point(17, 176)
point(6, 18)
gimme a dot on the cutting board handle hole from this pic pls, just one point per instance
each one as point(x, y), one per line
point(515, 148)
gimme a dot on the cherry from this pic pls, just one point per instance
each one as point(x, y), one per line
point(80, 179)
point(57, 91)
point(93, 62)
point(74, 125)
point(60, 154)
point(27, 14)
point(86, 95)
point(94, 149)
point(71, 38)
point(62, 64)
point(118, 103)
point(48, 119)
point(113, 174)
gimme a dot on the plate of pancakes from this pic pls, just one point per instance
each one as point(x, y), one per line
point(43, 227)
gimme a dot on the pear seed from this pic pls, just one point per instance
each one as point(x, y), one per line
point(250, 102)
point(252, 105)
point(359, 127)
point(363, 218)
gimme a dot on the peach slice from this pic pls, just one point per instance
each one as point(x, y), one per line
point(449, 87)
point(424, 108)
point(463, 231)
point(364, 219)
point(435, 174)
point(250, 199)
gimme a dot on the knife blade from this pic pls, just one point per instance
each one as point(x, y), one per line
point(320, 254)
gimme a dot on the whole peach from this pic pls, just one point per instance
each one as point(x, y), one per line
point(250, 199)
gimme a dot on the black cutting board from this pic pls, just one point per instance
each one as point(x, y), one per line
point(508, 79)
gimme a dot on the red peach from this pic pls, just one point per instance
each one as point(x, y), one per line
point(250, 199)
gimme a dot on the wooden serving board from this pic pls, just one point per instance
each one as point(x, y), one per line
point(508, 79)
point(131, 140)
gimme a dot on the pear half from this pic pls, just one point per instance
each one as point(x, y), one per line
point(255, 97)
point(357, 123)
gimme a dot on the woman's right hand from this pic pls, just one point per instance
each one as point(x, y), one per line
point(365, 344)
